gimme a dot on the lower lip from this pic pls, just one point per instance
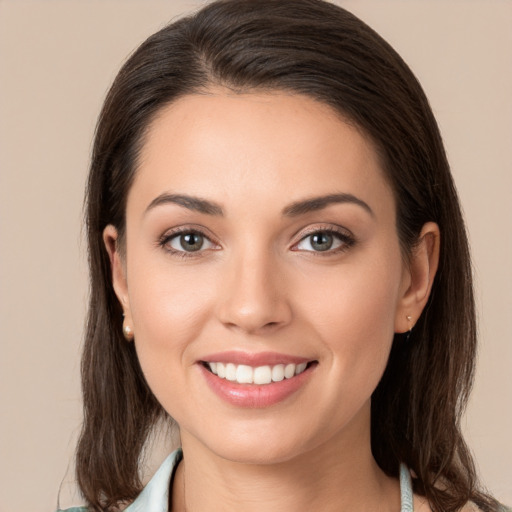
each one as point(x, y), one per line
point(253, 395)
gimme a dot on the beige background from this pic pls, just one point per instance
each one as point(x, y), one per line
point(57, 61)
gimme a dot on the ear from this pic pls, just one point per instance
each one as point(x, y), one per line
point(118, 268)
point(418, 277)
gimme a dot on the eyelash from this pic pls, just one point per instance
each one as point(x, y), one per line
point(347, 241)
point(169, 236)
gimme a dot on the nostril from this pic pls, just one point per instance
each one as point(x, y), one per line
point(253, 312)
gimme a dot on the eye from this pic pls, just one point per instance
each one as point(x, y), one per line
point(324, 240)
point(187, 241)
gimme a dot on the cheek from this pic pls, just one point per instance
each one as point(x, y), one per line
point(169, 311)
point(363, 296)
point(166, 295)
point(353, 310)
point(166, 311)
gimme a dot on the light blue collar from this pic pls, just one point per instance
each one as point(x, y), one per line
point(406, 494)
point(155, 496)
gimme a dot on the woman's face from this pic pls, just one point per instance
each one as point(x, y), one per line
point(261, 245)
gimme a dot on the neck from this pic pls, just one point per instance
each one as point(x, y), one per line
point(339, 474)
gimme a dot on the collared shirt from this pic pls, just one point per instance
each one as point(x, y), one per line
point(155, 496)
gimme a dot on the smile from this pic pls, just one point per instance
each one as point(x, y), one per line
point(260, 375)
point(256, 380)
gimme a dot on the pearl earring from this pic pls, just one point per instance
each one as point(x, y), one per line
point(127, 332)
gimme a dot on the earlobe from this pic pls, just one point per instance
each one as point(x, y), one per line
point(422, 269)
point(110, 239)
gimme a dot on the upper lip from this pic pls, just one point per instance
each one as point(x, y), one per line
point(254, 359)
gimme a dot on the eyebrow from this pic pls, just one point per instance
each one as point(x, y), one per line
point(295, 209)
point(318, 203)
point(190, 202)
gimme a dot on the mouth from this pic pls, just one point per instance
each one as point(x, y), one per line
point(258, 380)
point(258, 375)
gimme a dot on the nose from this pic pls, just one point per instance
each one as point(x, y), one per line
point(254, 295)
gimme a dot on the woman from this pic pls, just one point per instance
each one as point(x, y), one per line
point(278, 263)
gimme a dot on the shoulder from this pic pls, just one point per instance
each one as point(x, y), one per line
point(74, 509)
point(470, 507)
point(421, 505)
point(154, 496)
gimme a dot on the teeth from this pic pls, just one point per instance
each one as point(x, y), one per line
point(289, 371)
point(278, 373)
point(244, 374)
point(221, 370)
point(300, 368)
point(230, 371)
point(260, 375)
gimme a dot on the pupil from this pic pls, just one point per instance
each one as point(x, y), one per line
point(321, 241)
point(191, 241)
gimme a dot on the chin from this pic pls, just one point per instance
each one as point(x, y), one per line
point(264, 443)
point(259, 453)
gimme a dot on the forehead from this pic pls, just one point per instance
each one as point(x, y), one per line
point(259, 145)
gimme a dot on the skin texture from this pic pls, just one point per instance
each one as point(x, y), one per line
point(258, 285)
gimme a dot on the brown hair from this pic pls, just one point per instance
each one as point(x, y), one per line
point(314, 48)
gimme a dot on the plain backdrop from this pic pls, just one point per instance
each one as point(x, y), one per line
point(57, 59)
